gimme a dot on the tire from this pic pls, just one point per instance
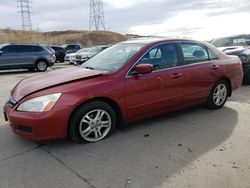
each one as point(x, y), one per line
point(31, 69)
point(246, 78)
point(218, 95)
point(92, 122)
point(41, 65)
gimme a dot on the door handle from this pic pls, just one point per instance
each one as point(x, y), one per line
point(177, 75)
point(215, 67)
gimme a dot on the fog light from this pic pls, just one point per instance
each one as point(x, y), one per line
point(25, 129)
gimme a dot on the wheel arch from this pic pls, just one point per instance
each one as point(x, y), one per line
point(119, 120)
point(42, 59)
point(229, 83)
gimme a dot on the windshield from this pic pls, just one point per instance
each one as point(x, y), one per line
point(94, 49)
point(83, 50)
point(113, 58)
point(242, 40)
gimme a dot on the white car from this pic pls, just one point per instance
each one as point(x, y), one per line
point(70, 58)
point(83, 56)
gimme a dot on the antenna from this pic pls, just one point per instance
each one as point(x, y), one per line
point(25, 14)
point(96, 15)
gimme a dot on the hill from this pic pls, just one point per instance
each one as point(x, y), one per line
point(85, 38)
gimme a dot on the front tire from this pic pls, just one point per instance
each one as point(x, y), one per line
point(218, 95)
point(92, 122)
point(41, 66)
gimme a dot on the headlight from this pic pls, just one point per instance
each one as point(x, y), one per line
point(40, 104)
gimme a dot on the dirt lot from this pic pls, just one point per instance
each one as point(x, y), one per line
point(192, 148)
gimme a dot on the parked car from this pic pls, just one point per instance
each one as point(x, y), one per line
point(50, 49)
point(71, 48)
point(238, 45)
point(127, 82)
point(85, 55)
point(71, 58)
point(25, 56)
point(59, 53)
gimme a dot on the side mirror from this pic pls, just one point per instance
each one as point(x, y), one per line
point(1, 52)
point(143, 68)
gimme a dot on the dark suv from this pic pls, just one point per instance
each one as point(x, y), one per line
point(25, 56)
point(59, 53)
point(71, 48)
point(238, 45)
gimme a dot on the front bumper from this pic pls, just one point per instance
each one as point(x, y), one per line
point(80, 61)
point(43, 126)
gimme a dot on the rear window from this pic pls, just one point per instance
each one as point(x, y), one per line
point(74, 47)
point(57, 48)
point(37, 48)
point(194, 53)
point(26, 49)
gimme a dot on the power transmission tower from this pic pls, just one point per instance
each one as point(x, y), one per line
point(25, 14)
point(96, 15)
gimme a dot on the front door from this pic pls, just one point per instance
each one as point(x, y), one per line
point(157, 91)
point(9, 57)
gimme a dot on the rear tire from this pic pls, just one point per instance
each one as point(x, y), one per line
point(92, 122)
point(246, 78)
point(41, 65)
point(218, 95)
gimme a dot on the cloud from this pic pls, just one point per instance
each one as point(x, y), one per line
point(194, 18)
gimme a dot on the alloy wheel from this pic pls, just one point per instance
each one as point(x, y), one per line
point(220, 94)
point(95, 125)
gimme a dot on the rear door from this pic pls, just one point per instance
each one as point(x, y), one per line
point(157, 91)
point(27, 55)
point(202, 69)
point(9, 58)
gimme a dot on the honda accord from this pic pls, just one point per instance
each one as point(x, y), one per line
point(127, 82)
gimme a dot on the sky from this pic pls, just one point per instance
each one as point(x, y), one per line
point(196, 19)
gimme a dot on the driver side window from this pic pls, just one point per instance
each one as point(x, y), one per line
point(161, 57)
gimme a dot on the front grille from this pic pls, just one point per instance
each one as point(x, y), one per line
point(78, 56)
point(10, 102)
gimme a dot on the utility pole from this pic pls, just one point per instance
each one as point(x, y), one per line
point(24, 6)
point(96, 15)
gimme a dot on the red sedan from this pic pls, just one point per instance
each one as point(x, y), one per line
point(127, 82)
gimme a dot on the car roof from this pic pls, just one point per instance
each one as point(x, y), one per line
point(15, 44)
point(149, 40)
point(235, 36)
point(54, 46)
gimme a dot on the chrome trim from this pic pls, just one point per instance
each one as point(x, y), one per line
point(180, 66)
point(127, 76)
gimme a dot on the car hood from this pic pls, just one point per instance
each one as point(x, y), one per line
point(46, 80)
point(86, 54)
point(233, 50)
point(71, 54)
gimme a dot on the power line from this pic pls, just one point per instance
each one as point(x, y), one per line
point(25, 14)
point(96, 15)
